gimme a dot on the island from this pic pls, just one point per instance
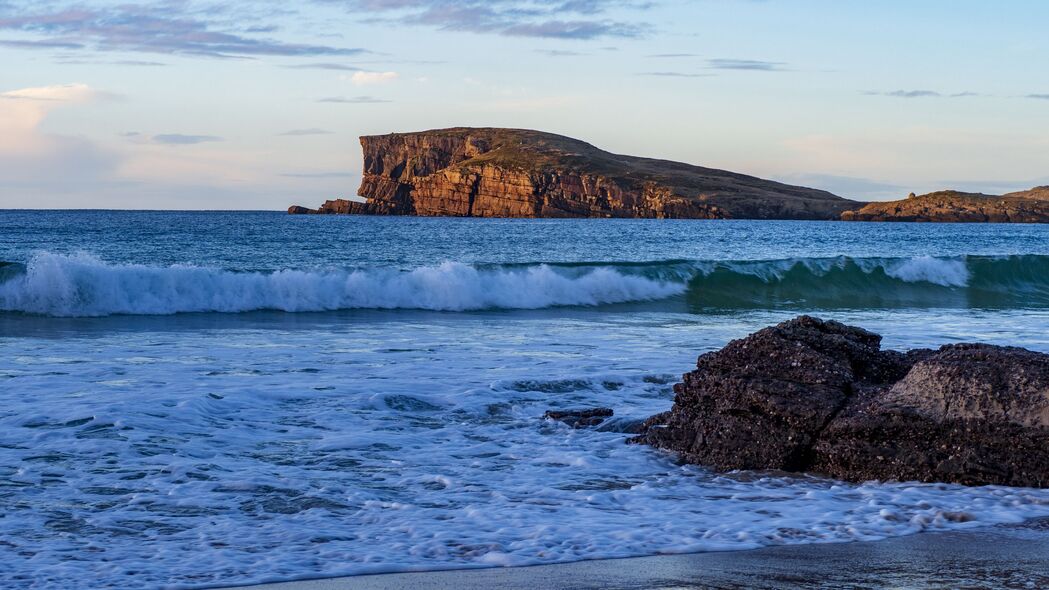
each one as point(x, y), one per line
point(496, 172)
point(493, 172)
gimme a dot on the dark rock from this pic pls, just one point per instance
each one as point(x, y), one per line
point(582, 418)
point(761, 402)
point(967, 413)
point(810, 395)
point(299, 210)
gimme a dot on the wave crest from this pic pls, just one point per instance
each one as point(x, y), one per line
point(83, 285)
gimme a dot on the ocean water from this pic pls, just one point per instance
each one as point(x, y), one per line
point(199, 399)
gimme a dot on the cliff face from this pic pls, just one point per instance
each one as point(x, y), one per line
point(468, 172)
point(1030, 206)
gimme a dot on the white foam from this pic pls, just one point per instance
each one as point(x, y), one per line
point(83, 285)
point(947, 272)
point(155, 458)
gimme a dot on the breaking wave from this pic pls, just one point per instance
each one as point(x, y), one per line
point(83, 285)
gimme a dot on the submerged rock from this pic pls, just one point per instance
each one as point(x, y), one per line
point(583, 418)
point(821, 396)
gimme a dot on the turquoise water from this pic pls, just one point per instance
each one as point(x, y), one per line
point(193, 399)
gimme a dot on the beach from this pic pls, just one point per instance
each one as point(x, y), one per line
point(995, 557)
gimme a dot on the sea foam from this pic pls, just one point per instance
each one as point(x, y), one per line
point(83, 285)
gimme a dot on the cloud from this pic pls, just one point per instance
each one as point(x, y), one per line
point(559, 52)
point(367, 78)
point(670, 55)
point(180, 139)
point(117, 62)
point(301, 132)
point(850, 187)
point(919, 94)
point(1038, 96)
point(319, 174)
point(60, 93)
point(354, 100)
point(39, 44)
point(554, 19)
point(674, 74)
point(30, 157)
point(746, 64)
point(325, 66)
point(575, 29)
point(167, 28)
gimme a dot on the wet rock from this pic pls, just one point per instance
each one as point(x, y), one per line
point(818, 396)
point(967, 413)
point(761, 402)
point(582, 418)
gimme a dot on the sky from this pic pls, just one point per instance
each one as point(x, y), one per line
point(259, 104)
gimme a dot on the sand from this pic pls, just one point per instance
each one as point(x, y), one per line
point(1015, 556)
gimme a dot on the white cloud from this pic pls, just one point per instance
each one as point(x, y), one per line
point(365, 78)
point(57, 93)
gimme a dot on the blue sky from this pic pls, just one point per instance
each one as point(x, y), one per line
point(257, 105)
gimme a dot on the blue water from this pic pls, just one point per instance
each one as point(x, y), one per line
point(200, 399)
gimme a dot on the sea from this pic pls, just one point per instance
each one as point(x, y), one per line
point(200, 399)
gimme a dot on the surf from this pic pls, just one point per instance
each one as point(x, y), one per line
point(83, 285)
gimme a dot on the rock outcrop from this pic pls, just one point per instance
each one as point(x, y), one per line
point(491, 172)
point(1030, 206)
point(822, 397)
point(584, 418)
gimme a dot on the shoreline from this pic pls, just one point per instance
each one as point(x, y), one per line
point(1003, 556)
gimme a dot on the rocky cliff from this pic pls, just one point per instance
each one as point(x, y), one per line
point(819, 396)
point(1030, 206)
point(488, 172)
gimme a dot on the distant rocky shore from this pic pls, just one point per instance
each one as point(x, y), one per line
point(1031, 206)
point(819, 396)
point(494, 172)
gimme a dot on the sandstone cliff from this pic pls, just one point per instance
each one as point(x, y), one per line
point(1030, 206)
point(489, 172)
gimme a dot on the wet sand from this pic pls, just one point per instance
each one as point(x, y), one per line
point(1015, 556)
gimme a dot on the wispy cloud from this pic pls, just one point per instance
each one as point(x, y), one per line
point(670, 55)
point(559, 52)
point(180, 139)
point(169, 28)
point(369, 78)
point(554, 19)
point(746, 64)
point(1038, 96)
point(76, 92)
point(116, 62)
point(919, 94)
point(675, 74)
point(301, 132)
point(325, 66)
point(354, 100)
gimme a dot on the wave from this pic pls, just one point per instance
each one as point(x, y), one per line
point(83, 285)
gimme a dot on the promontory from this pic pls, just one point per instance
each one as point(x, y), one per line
point(1030, 206)
point(495, 172)
point(492, 172)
